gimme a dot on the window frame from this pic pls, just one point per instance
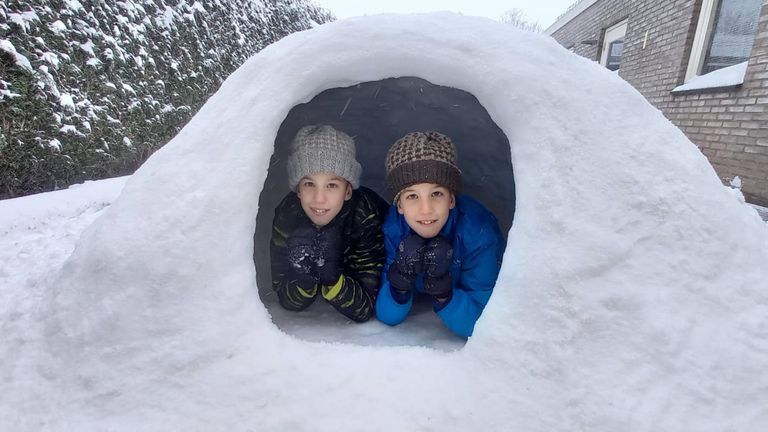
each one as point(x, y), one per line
point(701, 39)
point(611, 34)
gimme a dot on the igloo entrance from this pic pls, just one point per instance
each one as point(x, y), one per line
point(376, 114)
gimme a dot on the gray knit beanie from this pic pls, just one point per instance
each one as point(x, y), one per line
point(323, 149)
point(422, 157)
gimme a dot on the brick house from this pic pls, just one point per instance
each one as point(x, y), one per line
point(703, 63)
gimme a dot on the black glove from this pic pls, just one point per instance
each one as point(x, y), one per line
point(301, 256)
point(407, 264)
point(329, 254)
point(438, 255)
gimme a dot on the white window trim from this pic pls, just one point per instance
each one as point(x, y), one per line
point(703, 31)
point(612, 33)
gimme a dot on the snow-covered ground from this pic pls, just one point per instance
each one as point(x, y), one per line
point(38, 233)
point(631, 297)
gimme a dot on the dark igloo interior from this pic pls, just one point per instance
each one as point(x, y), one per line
point(376, 114)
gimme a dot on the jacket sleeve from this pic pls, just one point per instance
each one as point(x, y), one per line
point(388, 310)
point(479, 270)
point(354, 295)
point(290, 295)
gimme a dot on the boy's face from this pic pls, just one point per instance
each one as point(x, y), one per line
point(425, 207)
point(322, 196)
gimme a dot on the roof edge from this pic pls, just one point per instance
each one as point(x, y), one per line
point(572, 12)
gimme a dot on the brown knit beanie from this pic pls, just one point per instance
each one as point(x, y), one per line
point(422, 157)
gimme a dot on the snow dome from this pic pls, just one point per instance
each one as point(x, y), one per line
point(632, 294)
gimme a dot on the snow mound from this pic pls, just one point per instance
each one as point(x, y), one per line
point(632, 294)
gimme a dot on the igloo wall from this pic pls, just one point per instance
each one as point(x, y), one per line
point(631, 295)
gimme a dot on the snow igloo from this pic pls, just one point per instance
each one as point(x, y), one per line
point(632, 294)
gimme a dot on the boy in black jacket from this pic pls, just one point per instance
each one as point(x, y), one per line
point(326, 234)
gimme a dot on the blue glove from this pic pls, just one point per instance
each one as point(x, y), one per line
point(438, 255)
point(408, 263)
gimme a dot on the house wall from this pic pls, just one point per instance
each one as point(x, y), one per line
point(730, 127)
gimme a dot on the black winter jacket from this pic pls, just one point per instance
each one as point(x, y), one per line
point(361, 218)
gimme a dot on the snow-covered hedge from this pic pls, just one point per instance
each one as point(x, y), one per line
point(90, 89)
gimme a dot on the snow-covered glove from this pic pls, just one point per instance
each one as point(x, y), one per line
point(437, 255)
point(301, 255)
point(408, 263)
point(329, 254)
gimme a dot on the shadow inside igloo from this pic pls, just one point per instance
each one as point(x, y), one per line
point(376, 114)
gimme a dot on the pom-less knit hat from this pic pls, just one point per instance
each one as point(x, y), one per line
point(422, 157)
point(323, 149)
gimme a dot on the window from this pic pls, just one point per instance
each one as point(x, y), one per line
point(613, 46)
point(724, 35)
point(614, 54)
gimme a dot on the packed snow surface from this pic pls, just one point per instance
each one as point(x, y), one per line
point(632, 296)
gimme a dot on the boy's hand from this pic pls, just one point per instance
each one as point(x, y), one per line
point(408, 263)
point(329, 256)
point(409, 255)
point(301, 254)
point(438, 255)
point(439, 288)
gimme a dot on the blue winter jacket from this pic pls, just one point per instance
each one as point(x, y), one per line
point(477, 250)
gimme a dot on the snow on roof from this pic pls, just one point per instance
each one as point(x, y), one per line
point(631, 297)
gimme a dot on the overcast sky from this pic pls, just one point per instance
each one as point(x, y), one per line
point(545, 12)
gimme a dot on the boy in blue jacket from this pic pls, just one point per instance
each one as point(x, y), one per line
point(438, 243)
